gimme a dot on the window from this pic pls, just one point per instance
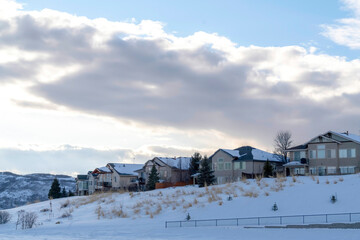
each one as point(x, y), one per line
point(302, 154)
point(312, 154)
point(115, 179)
point(353, 153)
point(331, 170)
point(236, 165)
point(347, 170)
point(220, 166)
point(242, 165)
point(220, 160)
point(297, 156)
point(313, 170)
point(299, 171)
point(331, 153)
point(227, 166)
point(321, 170)
point(321, 151)
point(343, 153)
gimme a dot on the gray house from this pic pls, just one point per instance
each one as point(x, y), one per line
point(326, 154)
point(171, 170)
point(231, 165)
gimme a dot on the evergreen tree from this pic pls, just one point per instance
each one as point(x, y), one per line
point(206, 177)
point(70, 193)
point(194, 163)
point(55, 190)
point(268, 169)
point(64, 193)
point(153, 178)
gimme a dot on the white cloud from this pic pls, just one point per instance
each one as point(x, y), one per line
point(346, 31)
point(100, 84)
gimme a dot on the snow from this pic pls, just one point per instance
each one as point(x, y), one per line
point(263, 156)
point(233, 153)
point(298, 195)
point(179, 162)
point(353, 137)
point(127, 168)
point(293, 164)
point(104, 169)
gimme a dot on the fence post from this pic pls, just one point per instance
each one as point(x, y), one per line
point(215, 222)
point(195, 223)
point(326, 218)
point(165, 224)
point(258, 221)
point(350, 217)
point(180, 224)
point(303, 219)
point(280, 220)
point(237, 222)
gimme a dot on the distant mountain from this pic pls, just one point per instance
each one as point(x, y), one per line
point(17, 190)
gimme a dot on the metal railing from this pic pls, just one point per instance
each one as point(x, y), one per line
point(273, 220)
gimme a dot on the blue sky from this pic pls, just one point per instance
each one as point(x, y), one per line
point(257, 22)
point(83, 84)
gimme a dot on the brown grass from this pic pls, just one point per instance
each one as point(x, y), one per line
point(341, 179)
point(327, 181)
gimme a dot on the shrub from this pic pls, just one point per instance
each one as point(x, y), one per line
point(26, 220)
point(341, 179)
point(4, 217)
point(65, 204)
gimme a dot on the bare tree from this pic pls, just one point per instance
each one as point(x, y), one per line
point(282, 142)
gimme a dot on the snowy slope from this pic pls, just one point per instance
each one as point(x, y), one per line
point(142, 215)
point(17, 190)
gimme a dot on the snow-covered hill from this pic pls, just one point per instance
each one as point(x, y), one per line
point(17, 190)
point(142, 215)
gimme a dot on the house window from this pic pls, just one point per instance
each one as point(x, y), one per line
point(242, 165)
point(302, 154)
point(343, 153)
point(220, 164)
point(312, 154)
point(331, 170)
point(331, 153)
point(299, 171)
point(165, 174)
point(297, 156)
point(115, 179)
point(321, 151)
point(227, 166)
point(353, 153)
point(236, 165)
point(321, 170)
point(347, 170)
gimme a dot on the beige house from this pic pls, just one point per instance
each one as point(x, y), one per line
point(102, 177)
point(123, 175)
point(171, 170)
point(326, 154)
point(231, 165)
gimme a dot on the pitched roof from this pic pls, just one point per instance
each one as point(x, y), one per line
point(82, 177)
point(182, 163)
point(349, 136)
point(251, 153)
point(104, 169)
point(298, 147)
point(126, 168)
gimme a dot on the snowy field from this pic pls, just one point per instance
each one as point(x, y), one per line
point(143, 215)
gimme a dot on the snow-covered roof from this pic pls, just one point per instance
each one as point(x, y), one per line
point(179, 162)
point(293, 164)
point(104, 169)
point(261, 155)
point(126, 168)
point(350, 136)
point(234, 153)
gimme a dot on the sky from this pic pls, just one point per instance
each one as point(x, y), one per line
point(84, 83)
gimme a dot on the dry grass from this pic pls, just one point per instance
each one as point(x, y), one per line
point(251, 193)
point(327, 181)
point(99, 212)
point(266, 194)
point(312, 177)
point(220, 203)
point(335, 182)
point(294, 179)
point(317, 181)
point(341, 179)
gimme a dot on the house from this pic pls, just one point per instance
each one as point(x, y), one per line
point(82, 185)
point(102, 179)
point(231, 165)
point(171, 170)
point(124, 176)
point(326, 154)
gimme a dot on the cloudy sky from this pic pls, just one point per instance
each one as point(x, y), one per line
point(84, 83)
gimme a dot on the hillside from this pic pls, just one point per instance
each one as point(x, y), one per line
point(17, 190)
point(142, 215)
